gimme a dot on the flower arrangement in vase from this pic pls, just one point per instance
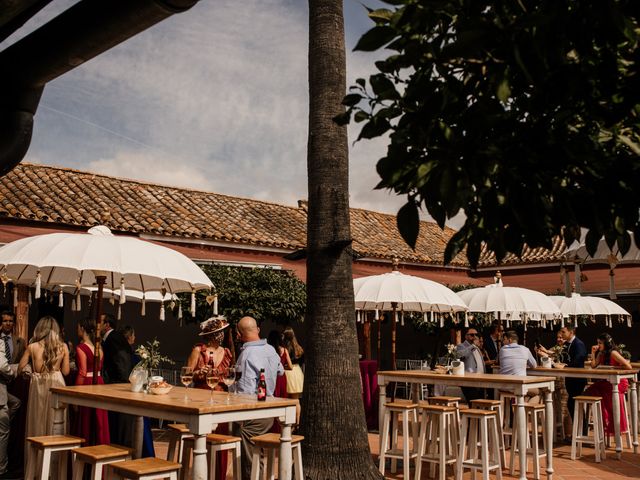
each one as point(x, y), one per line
point(150, 358)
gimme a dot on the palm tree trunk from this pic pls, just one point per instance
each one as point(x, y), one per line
point(333, 419)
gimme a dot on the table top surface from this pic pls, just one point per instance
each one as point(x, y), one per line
point(478, 377)
point(198, 403)
point(594, 372)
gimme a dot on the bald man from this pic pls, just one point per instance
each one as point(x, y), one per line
point(255, 354)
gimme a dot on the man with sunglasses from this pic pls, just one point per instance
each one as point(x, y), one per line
point(469, 352)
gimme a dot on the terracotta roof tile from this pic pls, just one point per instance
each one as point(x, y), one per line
point(75, 198)
point(529, 255)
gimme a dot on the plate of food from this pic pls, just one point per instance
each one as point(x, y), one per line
point(160, 387)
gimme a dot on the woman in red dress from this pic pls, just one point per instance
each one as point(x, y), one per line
point(606, 353)
point(92, 424)
point(208, 356)
point(275, 339)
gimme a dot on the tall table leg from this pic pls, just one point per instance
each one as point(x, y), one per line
point(616, 417)
point(138, 435)
point(550, 420)
point(382, 399)
point(285, 460)
point(522, 435)
point(634, 414)
point(199, 471)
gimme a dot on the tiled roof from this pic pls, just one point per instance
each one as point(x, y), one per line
point(529, 255)
point(63, 196)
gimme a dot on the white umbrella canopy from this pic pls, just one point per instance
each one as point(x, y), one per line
point(77, 258)
point(511, 303)
point(603, 254)
point(577, 304)
point(407, 292)
point(397, 291)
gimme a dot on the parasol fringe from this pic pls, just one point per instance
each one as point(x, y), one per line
point(180, 311)
point(441, 321)
point(73, 304)
point(402, 319)
point(143, 308)
point(123, 293)
point(162, 311)
point(377, 314)
point(193, 303)
point(29, 298)
point(38, 285)
point(215, 304)
point(60, 298)
point(119, 311)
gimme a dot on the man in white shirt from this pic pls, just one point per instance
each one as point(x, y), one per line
point(470, 354)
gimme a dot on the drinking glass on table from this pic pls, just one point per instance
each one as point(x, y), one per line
point(186, 377)
point(229, 378)
point(213, 377)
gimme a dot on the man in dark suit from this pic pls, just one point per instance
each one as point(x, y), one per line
point(116, 369)
point(8, 407)
point(577, 355)
point(492, 339)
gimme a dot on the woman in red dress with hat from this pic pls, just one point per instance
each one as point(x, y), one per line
point(206, 357)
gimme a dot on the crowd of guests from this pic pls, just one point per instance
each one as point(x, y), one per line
point(45, 361)
point(501, 348)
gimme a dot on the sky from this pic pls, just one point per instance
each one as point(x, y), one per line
point(215, 99)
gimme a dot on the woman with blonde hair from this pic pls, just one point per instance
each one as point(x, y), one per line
point(49, 357)
point(295, 376)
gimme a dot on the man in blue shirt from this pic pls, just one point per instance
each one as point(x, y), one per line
point(256, 354)
point(514, 359)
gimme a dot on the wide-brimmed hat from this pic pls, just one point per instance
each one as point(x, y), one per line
point(213, 325)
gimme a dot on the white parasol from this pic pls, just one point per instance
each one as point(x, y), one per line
point(396, 291)
point(577, 253)
point(577, 304)
point(100, 259)
point(511, 303)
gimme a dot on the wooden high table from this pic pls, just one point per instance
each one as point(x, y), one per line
point(200, 416)
point(519, 385)
point(613, 376)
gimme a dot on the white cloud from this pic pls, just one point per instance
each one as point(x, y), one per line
point(215, 98)
point(158, 169)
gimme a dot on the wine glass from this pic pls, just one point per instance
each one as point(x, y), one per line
point(186, 377)
point(213, 377)
point(229, 378)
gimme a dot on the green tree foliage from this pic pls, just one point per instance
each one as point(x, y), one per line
point(263, 293)
point(522, 113)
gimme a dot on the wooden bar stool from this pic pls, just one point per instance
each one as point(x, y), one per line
point(144, 469)
point(268, 445)
point(479, 428)
point(392, 411)
point(39, 450)
point(177, 433)
point(584, 406)
point(448, 402)
point(438, 441)
point(496, 406)
point(215, 443)
point(535, 419)
point(97, 456)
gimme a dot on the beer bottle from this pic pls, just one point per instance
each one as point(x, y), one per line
point(262, 387)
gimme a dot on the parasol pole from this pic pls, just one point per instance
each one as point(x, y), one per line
point(379, 338)
point(101, 278)
point(394, 306)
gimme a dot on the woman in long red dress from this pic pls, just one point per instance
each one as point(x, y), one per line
point(205, 357)
point(92, 424)
point(606, 353)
